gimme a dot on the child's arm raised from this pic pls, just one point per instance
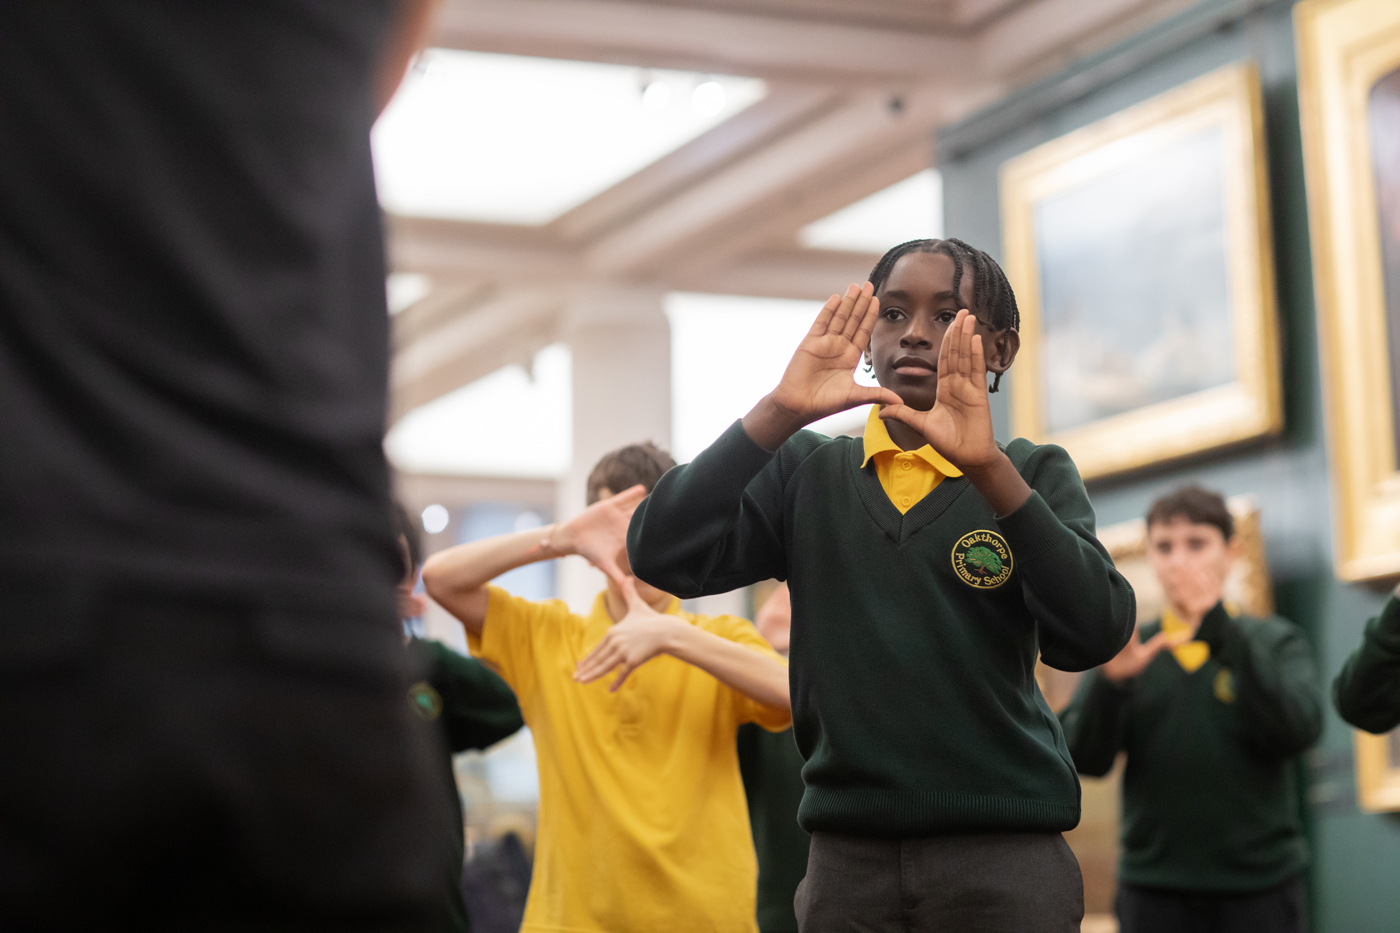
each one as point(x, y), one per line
point(457, 577)
point(959, 425)
point(715, 524)
point(1083, 607)
point(645, 633)
point(820, 378)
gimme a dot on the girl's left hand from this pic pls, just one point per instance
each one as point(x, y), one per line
point(633, 640)
point(959, 425)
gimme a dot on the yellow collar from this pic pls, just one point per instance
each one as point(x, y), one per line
point(877, 440)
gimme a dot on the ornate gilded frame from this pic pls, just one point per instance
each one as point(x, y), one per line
point(1249, 407)
point(1344, 47)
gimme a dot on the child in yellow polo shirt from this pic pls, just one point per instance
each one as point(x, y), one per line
point(643, 822)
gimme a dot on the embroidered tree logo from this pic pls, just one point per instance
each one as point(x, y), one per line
point(982, 561)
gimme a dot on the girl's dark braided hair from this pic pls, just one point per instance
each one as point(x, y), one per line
point(993, 301)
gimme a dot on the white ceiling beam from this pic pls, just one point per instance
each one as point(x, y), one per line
point(762, 180)
point(658, 36)
point(507, 328)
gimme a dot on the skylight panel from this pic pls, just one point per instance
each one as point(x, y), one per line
point(908, 210)
point(753, 338)
point(509, 139)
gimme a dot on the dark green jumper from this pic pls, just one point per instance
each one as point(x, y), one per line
point(472, 707)
point(771, 767)
point(912, 670)
point(1367, 691)
point(1209, 795)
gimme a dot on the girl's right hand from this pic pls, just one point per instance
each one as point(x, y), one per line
point(820, 378)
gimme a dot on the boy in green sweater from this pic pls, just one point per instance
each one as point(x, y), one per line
point(1367, 691)
point(1213, 708)
point(928, 567)
point(468, 705)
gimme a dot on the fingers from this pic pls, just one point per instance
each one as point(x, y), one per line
point(598, 662)
point(948, 350)
point(963, 364)
point(823, 320)
point(844, 309)
point(608, 564)
point(861, 337)
point(628, 498)
point(626, 672)
point(866, 305)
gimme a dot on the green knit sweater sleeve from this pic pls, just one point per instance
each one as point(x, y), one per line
point(716, 524)
point(1084, 609)
point(1367, 691)
point(1275, 679)
point(1095, 723)
point(478, 708)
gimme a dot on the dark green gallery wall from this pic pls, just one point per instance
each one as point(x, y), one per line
point(1356, 873)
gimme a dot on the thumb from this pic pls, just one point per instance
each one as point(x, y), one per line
point(900, 412)
point(873, 395)
point(629, 593)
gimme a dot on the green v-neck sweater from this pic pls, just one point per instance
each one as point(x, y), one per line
point(915, 636)
point(1210, 801)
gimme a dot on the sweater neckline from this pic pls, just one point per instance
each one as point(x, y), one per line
point(901, 526)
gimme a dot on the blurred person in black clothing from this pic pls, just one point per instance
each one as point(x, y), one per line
point(469, 704)
point(200, 685)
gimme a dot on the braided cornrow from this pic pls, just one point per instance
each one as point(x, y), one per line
point(993, 301)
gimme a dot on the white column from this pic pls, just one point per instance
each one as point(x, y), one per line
point(621, 346)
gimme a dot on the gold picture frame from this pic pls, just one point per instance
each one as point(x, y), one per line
point(1345, 49)
point(1378, 771)
point(1125, 419)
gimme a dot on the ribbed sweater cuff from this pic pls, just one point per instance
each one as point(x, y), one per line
point(1033, 528)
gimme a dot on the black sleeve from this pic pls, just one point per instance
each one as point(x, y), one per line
point(1367, 691)
point(716, 524)
point(478, 708)
point(1277, 686)
point(1083, 607)
point(1096, 723)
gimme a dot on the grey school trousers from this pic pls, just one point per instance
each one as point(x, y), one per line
point(975, 883)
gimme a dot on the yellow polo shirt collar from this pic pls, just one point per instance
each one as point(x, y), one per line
point(907, 476)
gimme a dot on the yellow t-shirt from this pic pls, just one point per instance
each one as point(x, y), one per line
point(906, 475)
point(643, 821)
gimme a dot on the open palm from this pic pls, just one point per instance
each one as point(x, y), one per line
point(820, 378)
point(959, 425)
point(599, 532)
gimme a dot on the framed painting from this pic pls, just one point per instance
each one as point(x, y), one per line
point(1095, 839)
point(1141, 254)
point(1349, 95)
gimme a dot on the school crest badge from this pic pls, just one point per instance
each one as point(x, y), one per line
point(426, 701)
point(1224, 685)
point(982, 560)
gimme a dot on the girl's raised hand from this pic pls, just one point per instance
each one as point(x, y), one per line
point(820, 378)
point(959, 425)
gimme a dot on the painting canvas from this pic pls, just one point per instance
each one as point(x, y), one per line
point(1149, 237)
point(1349, 99)
point(1139, 248)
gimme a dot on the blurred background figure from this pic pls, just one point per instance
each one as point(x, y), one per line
point(772, 769)
point(1213, 709)
point(469, 707)
point(203, 691)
